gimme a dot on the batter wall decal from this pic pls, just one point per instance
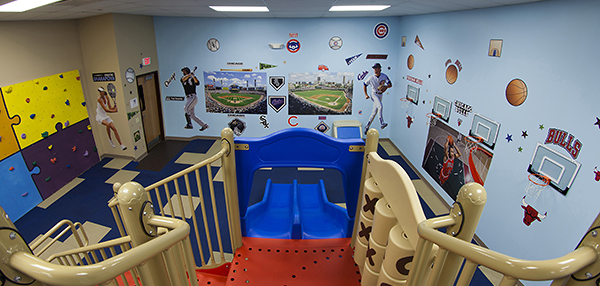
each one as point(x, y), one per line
point(189, 82)
point(320, 93)
point(379, 83)
point(235, 92)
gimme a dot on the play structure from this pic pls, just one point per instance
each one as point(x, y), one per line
point(293, 236)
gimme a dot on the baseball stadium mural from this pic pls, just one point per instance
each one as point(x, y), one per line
point(235, 92)
point(320, 93)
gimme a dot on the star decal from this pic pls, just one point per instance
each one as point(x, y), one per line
point(409, 121)
point(597, 122)
point(508, 138)
point(141, 66)
point(541, 127)
point(524, 134)
point(135, 147)
point(520, 149)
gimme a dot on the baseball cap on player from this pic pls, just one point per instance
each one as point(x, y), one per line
point(185, 69)
point(376, 66)
point(101, 89)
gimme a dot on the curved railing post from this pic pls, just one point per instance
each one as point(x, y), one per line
point(466, 212)
point(136, 210)
point(231, 189)
point(371, 144)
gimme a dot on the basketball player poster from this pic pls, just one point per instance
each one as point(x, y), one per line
point(453, 159)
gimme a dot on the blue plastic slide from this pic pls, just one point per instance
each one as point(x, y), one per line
point(296, 211)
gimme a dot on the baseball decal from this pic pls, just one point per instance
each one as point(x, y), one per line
point(293, 46)
point(335, 43)
point(381, 30)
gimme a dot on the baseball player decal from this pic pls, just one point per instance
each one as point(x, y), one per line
point(189, 82)
point(379, 83)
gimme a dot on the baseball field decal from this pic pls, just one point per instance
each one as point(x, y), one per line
point(236, 92)
point(320, 93)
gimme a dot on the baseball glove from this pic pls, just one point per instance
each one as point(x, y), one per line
point(382, 88)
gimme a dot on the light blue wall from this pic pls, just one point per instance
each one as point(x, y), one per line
point(182, 42)
point(552, 46)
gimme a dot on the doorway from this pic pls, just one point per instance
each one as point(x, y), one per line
point(150, 107)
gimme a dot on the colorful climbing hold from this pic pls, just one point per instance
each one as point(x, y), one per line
point(11, 168)
point(89, 127)
point(69, 166)
point(77, 78)
point(24, 194)
point(95, 149)
point(27, 100)
point(32, 116)
point(61, 76)
point(79, 131)
point(67, 102)
point(67, 123)
point(45, 88)
point(53, 160)
point(85, 154)
point(74, 148)
point(50, 147)
point(9, 90)
point(23, 136)
point(44, 135)
point(47, 179)
point(34, 163)
point(83, 103)
point(37, 82)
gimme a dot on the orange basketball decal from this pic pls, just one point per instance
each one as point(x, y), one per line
point(451, 74)
point(410, 62)
point(516, 92)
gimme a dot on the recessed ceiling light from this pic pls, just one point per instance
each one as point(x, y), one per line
point(24, 5)
point(358, 8)
point(240, 8)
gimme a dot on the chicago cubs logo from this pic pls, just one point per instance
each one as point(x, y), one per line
point(381, 30)
point(293, 46)
point(277, 102)
point(290, 121)
point(362, 75)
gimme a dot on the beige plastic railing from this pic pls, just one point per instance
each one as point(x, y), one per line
point(435, 258)
point(165, 187)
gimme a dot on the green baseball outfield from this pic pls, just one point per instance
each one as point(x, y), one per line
point(332, 99)
point(235, 99)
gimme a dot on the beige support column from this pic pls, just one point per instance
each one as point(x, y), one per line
point(466, 212)
point(136, 209)
point(11, 241)
point(370, 146)
point(231, 189)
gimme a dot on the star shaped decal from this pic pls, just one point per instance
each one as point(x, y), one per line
point(135, 147)
point(524, 134)
point(508, 138)
point(520, 149)
point(597, 122)
point(541, 127)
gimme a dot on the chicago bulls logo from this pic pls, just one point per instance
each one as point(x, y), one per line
point(531, 214)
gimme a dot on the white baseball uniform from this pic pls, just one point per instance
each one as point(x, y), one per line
point(374, 81)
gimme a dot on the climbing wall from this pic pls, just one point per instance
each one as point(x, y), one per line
point(46, 139)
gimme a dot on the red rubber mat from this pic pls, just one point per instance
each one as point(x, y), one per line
point(292, 262)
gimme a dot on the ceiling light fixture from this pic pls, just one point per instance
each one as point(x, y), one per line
point(24, 5)
point(240, 8)
point(358, 8)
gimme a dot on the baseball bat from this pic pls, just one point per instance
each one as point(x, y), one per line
point(168, 82)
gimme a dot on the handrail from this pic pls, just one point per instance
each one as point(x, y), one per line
point(70, 226)
point(94, 274)
point(98, 246)
point(539, 270)
point(188, 170)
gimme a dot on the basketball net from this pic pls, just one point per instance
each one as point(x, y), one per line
point(405, 102)
point(536, 184)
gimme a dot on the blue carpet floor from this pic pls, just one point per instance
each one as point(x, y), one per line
point(88, 200)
